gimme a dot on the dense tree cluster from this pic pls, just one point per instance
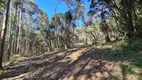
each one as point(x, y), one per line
point(26, 29)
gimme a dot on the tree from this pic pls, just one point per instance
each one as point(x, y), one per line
point(3, 34)
point(98, 9)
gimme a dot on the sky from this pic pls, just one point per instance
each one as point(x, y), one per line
point(49, 7)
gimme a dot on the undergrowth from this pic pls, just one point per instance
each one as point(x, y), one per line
point(123, 49)
point(130, 56)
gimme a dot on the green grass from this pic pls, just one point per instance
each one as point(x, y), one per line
point(129, 69)
point(140, 78)
point(113, 78)
point(123, 49)
point(13, 59)
point(129, 55)
point(137, 62)
point(132, 52)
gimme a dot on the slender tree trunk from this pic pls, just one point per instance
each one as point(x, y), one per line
point(107, 32)
point(15, 31)
point(16, 28)
point(105, 28)
point(130, 20)
point(1, 40)
point(10, 35)
point(26, 47)
point(3, 34)
point(19, 34)
point(0, 25)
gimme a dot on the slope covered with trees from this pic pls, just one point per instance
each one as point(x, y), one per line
point(109, 40)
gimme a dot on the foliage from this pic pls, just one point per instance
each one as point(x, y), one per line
point(123, 49)
point(129, 69)
point(139, 29)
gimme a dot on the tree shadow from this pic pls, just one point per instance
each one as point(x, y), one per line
point(94, 63)
point(91, 62)
point(33, 64)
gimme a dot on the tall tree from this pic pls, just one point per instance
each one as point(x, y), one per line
point(3, 34)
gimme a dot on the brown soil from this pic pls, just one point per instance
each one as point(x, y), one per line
point(84, 63)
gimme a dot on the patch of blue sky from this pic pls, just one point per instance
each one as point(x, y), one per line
point(49, 7)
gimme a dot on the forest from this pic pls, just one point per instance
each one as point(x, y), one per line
point(99, 42)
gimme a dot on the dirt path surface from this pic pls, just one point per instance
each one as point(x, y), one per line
point(86, 63)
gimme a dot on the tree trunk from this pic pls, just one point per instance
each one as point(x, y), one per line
point(3, 34)
point(16, 29)
point(105, 27)
point(19, 32)
point(10, 35)
point(130, 21)
point(106, 32)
